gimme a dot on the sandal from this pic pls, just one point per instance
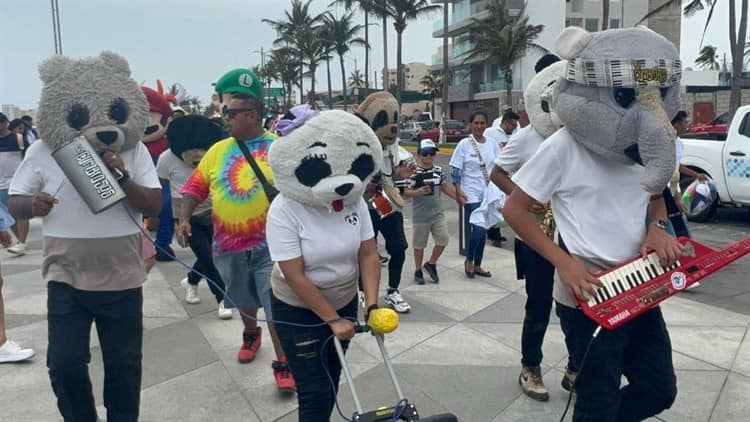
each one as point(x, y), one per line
point(482, 273)
point(469, 273)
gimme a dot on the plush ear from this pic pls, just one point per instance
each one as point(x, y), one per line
point(53, 67)
point(116, 62)
point(571, 42)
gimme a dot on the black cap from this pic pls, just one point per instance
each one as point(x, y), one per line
point(545, 61)
point(3, 118)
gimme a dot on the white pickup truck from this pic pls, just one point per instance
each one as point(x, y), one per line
point(725, 158)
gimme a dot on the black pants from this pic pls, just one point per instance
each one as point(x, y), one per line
point(640, 350)
point(119, 324)
point(539, 276)
point(200, 242)
point(392, 229)
point(302, 346)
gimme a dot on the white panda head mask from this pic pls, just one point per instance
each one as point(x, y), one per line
point(324, 159)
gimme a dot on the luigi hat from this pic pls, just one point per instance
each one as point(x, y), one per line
point(242, 81)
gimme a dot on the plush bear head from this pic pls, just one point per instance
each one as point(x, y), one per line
point(380, 109)
point(94, 97)
point(617, 95)
point(324, 159)
point(159, 111)
point(189, 137)
point(543, 118)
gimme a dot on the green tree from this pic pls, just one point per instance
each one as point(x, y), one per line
point(343, 35)
point(284, 61)
point(737, 37)
point(295, 30)
point(503, 39)
point(707, 58)
point(366, 7)
point(403, 11)
point(433, 86)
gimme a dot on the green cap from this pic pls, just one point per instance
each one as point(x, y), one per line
point(242, 81)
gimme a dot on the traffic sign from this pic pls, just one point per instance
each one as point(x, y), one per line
point(276, 92)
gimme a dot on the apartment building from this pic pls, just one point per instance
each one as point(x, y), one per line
point(476, 85)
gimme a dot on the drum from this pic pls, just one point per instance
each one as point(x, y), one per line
point(387, 202)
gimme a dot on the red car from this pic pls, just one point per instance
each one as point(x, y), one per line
point(454, 131)
point(717, 125)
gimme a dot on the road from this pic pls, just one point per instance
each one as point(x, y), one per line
point(728, 289)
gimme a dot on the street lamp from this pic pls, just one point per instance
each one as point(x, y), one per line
point(56, 26)
point(267, 77)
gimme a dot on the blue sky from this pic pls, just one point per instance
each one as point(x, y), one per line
point(195, 41)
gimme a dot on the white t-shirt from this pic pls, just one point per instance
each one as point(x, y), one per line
point(465, 159)
point(488, 214)
point(497, 135)
point(519, 149)
point(71, 217)
point(327, 241)
point(599, 207)
point(11, 155)
point(679, 147)
point(170, 167)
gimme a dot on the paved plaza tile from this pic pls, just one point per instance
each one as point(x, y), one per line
point(458, 351)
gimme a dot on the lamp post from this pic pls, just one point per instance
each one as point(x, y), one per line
point(267, 77)
point(56, 26)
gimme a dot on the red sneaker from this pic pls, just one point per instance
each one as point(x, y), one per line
point(250, 345)
point(283, 376)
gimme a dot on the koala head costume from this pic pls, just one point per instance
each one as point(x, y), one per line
point(617, 95)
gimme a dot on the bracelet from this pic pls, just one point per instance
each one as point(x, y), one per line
point(124, 178)
point(370, 309)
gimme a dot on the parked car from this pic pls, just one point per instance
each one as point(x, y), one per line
point(725, 159)
point(717, 125)
point(408, 131)
point(454, 131)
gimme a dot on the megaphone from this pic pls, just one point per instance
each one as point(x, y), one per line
point(88, 174)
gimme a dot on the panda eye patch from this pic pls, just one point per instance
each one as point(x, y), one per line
point(624, 97)
point(118, 111)
point(380, 120)
point(78, 116)
point(363, 144)
point(312, 170)
point(363, 166)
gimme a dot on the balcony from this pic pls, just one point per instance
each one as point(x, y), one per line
point(459, 93)
point(459, 22)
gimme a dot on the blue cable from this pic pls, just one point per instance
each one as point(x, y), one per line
point(208, 280)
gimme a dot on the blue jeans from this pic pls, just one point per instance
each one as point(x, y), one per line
point(247, 276)
point(477, 238)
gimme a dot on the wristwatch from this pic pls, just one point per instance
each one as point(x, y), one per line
point(661, 224)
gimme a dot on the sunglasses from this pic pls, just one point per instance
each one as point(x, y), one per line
point(428, 154)
point(230, 113)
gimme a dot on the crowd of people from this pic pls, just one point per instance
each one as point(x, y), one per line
point(258, 218)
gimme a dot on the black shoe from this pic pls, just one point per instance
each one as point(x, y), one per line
point(164, 253)
point(383, 259)
point(431, 270)
point(418, 277)
point(498, 243)
point(503, 238)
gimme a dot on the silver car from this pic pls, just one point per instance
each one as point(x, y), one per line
point(408, 131)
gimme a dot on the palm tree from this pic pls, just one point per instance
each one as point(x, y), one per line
point(355, 80)
point(343, 35)
point(433, 86)
point(707, 58)
point(286, 65)
point(314, 50)
point(503, 39)
point(366, 7)
point(402, 11)
point(737, 37)
point(605, 15)
point(295, 30)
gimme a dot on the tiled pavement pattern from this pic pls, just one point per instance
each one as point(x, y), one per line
point(458, 351)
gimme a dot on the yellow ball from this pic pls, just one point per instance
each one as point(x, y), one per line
point(383, 320)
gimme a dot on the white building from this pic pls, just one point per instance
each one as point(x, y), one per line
point(11, 111)
point(476, 85)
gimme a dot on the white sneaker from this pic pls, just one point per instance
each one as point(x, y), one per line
point(397, 302)
point(223, 312)
point(12, 352)
point(18, 249)
point(191, 292)
point(694, 285)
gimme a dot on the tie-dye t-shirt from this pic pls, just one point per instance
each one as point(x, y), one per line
point(240, 205)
